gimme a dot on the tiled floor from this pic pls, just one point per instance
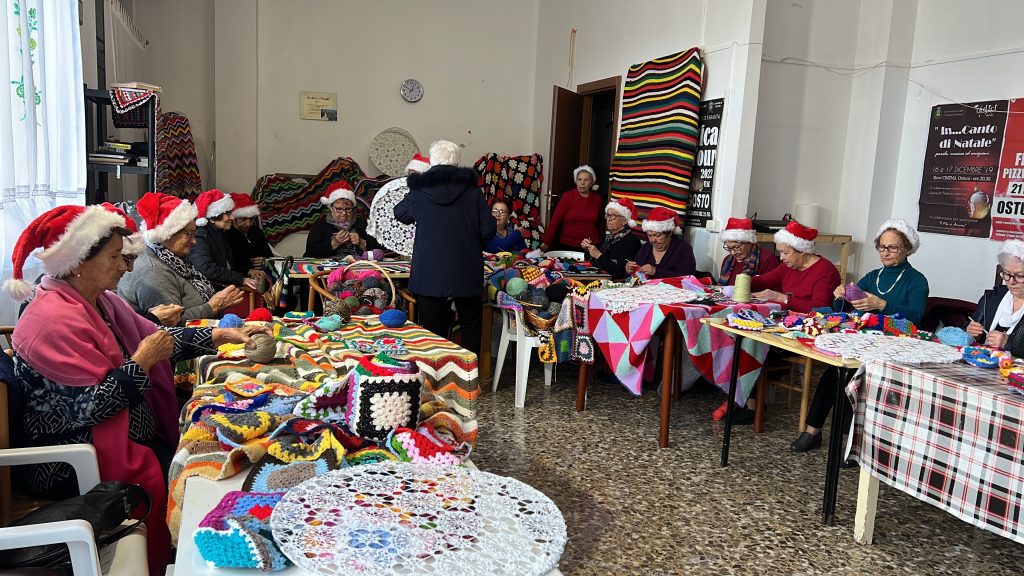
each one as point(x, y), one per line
point(631, 508)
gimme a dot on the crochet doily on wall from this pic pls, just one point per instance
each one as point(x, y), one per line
point(383, 225)
point(391, 151)
point(627, 299)
point(866, 347)
point(390, 518)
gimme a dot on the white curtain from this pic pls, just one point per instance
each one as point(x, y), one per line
point(42, 121)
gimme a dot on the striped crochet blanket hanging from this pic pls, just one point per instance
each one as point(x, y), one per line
point(177, 167)
point(658, 134)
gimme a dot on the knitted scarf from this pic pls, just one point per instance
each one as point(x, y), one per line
point(749, 266)
point(183, 268)
point(612, 237)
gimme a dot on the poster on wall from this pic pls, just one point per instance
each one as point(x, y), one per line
point(318, 106)
point(961, 165)
point(1008, 205)
point(702, 184)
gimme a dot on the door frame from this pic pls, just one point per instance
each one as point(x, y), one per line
point(587, 90)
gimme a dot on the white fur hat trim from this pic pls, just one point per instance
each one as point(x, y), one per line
point(800, 244)
point(182, 214)
point(84, 231)
point(621, 211)
point(339, 194)
point(739, 236)
point(661, 226)
point(902, 227)
point(246, 212)
point(225, 204)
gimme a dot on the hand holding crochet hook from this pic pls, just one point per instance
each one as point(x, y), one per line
point(859, 299)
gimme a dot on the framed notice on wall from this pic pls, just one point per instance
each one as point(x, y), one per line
point(703, 180)
point(973, 183)
point(318, 106)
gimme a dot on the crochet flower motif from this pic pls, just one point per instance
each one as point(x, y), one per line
point(372, 539)
point(390, 410)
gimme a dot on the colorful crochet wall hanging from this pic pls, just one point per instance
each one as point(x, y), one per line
point(177, 167)
point(658, 134)
point(516, 180)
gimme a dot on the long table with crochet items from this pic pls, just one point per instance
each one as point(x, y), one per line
point(949, 435)
point(320, 404)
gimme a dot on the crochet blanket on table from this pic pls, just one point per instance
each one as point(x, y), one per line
point(177, 168)
point(658, 135)
point(236, 405)
point(516, 180)
point(287, 208)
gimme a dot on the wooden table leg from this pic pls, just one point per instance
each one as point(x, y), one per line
point(677, 369)
point(485, 343)
point(727, 437)
point(666, 379)
point(867, 502)
point(762, 383)
point(581, 386)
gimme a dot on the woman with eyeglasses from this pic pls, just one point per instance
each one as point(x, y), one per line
point(338, 233)
point(507, 238)
point(995, 322)
point(163, 273)
point(806, 280)
point(619, 244)
point(743, 255)
point(895, 288)
point(666, 254)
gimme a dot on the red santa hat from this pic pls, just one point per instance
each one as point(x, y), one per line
point(419, 164)
point(211, 204)
point(739, 230)
point(662, 219)
point(900, 225)
point(244, 206)
point(795, 234)
point(66, 234)
point(585, 168)
point(163, 215)
point(133, 244)
point(338, 191)
point(623, 207)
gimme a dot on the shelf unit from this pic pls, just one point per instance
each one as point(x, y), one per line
point(97, 102)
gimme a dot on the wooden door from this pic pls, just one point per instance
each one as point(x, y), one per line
point(566, 133)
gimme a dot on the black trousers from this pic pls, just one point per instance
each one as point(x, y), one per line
point(435, 314)
point(824, 397)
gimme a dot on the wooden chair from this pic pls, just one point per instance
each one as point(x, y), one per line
point(790, 384)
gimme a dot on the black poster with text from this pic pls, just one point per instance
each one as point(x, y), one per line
point(698, 212)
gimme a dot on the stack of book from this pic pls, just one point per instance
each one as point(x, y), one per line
point(111, 153)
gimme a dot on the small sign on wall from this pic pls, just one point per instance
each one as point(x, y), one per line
point(318, 106)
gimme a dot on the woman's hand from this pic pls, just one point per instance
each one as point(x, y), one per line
point(648, 269)
point(252, 284)
point(156, 347)
point(975, 329)
point(839, 292)
point(771, 295)
point(631, 267)
point(996, 339)
point(339, 238)
point(167, 314)
point(354, 238)
point(241, 335)
point(225, 299)
point(543, 247)
point(868, 303)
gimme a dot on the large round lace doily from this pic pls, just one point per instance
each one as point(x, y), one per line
point(391, 150)
point(866, 347)
point(401, 518)
point(383, 226)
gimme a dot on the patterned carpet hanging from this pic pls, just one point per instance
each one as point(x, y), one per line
point(516, 180)
point(177, 168)
point(658, 134)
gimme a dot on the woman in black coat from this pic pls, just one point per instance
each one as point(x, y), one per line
point(339, 233)
point(620, 245)
point(248, 244)
point(997, 321)
point(211, 254)
point(453, 223)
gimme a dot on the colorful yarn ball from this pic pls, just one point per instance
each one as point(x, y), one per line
point(393, 318)
point(338, 308)
point(853, 292)
point(231, 321)
point(372, 282)
point(262, 349)
point(329, 323)
point(516, 286)
point(260, 315)
point(364, 311)
point(954, 336)
point(353, 302)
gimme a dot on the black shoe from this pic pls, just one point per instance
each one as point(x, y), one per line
point(849, 463)
point(742, 416)
point(806, 442)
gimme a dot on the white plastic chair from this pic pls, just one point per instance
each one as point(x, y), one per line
point(126, 556)
point(513, 326)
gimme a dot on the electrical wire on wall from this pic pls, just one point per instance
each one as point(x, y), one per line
point(572, 55)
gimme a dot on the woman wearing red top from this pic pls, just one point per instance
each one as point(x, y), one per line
point(576, 216)
point(806, 281)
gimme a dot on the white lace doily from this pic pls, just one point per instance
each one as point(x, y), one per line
point(628, 299)
point(383, 226)
point(401, 518)
point(866, 347)
point(391, 151)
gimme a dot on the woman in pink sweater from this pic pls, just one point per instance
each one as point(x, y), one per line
point(805, 281)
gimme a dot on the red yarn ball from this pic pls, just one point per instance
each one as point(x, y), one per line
point(260, 315)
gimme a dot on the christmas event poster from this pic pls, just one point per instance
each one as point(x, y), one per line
point(1008, 208)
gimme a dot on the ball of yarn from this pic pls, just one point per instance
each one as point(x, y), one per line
point(555, 308)
point(338, 308)
point(364, 310)
point(393, 318)
point(230, 321)
point(260, 315)
point(516, 286)
point(372, 282)
point(262, 349)
point(953, 336)
point(353, 302)
point(329, 323)
point(544, 314)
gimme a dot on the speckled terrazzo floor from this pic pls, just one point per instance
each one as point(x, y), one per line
point(631, 508)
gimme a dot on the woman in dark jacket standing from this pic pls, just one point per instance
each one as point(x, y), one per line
point(453, 223)
point(620, 245)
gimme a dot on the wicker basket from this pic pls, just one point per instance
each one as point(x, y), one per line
point(536, 321)
point(371, 264)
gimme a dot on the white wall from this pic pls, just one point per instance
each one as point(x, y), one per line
point(955, 55)
point(236, 98)
point(475, 60)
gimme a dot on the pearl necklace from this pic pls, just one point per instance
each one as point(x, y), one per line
point(879, 277)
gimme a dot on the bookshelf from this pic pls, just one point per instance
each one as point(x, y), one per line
point(98, 109)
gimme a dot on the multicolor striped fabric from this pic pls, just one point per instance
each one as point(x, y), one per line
point(177, 167)
point(658, 134)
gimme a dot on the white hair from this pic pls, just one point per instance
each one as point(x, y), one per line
point(1011, 249)
point(444, 152)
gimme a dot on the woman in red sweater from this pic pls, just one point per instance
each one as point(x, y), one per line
point(806, 281)
point(576, 216)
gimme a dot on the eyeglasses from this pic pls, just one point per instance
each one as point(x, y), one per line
point(499, 211)
point(1017, 278)
point(129, 259)
point(733, 249)
point(190, 234)
point(612, 216)
point(342, 210)
point(894, 249)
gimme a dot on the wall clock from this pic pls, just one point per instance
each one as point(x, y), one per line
point(412, 90)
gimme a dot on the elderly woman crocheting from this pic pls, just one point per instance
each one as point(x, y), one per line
point(619, 244)
point(806, 280)
point(996, 321)
point(744, 255)
point(895, 288)
point(339, 232)
point(91, 370)
point(666, 254)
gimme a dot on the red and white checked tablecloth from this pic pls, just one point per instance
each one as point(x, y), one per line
point(951, 435)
